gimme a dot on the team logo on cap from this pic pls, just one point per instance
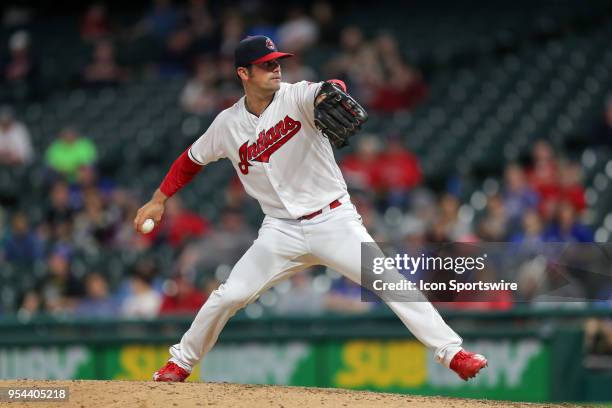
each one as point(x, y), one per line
point(269, 44)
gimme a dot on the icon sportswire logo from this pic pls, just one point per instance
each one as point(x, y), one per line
point(268, 142)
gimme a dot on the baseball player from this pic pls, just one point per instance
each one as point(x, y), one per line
point(279, 139)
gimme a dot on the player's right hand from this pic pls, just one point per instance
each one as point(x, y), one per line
point(154, 209)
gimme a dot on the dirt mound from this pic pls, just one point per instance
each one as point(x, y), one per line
point(141, 394)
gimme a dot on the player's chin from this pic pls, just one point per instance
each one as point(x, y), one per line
point(275, 83)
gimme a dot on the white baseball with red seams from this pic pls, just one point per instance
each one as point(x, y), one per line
point(147, 226)
point(285, 163)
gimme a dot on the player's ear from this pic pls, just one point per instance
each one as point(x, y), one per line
point(243, 73)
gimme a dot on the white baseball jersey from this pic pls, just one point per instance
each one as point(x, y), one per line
point(282, 159)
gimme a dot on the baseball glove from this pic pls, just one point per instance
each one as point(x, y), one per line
point(337, 114)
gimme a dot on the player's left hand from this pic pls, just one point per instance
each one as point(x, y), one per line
point(337, 114)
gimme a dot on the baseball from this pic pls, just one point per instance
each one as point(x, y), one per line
point(147, 226)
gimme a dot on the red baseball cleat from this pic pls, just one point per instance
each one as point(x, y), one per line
point(171, 373)
point(467, 364)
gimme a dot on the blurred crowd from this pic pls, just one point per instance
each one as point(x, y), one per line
point(89, 215)
point(196, 41)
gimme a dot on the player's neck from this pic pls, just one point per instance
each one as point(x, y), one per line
point(257, 102)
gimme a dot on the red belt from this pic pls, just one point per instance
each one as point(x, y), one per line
point(332, 205)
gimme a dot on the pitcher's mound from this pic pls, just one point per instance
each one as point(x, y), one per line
point(148, 394)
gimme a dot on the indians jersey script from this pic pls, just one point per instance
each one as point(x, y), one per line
point(282, 159)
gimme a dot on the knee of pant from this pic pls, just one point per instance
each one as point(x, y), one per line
point(235, 296)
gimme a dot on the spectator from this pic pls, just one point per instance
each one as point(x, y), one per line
point(145, 267)
point(232, 32)
point(395, 84)
point(423, 205)
point(397, 173)
point(544, 178)
point(200, 95)
point(294, 70)
point(323, 14)
point(103, 69)
point(87, 179)
point(532, 234)
point(61, 289)
point(236, 198)
point(203, 27)
point(60, 236)
point(413, 235)
point(449, 224)
point(298, 32)
point(572, 190)
point(30, 306)
point(160, 21)
point(224, 246)
point(359, 168)
point(94, 226)
point(229, 90)
point(353, 62)
point(21, 68)
point(97, 301)
point(23, 245)
point(518, 194)
point(556, 182)
point(143, 301)
point(61, 208)
point(125, 236)
point(177, 58)
point(95, 24)
point(494, 227)
point(437, 231)
point(301, 298)
point(370, 218)
point(69, 152)
point(260, 25)
point(181, 297)
point(345, 297)
point(566, 228)
point(178, 226)
point(15, 144)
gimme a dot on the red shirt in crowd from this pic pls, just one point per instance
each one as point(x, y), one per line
point(575, 196)
point(178, 228)
point(397, 169)
point(359, 172)
point(187, 300)
point(389, 98)
point(546, 181)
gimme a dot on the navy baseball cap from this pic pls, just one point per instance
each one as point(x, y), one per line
point(256, 50)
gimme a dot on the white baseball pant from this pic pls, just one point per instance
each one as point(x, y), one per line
point(285, 247)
